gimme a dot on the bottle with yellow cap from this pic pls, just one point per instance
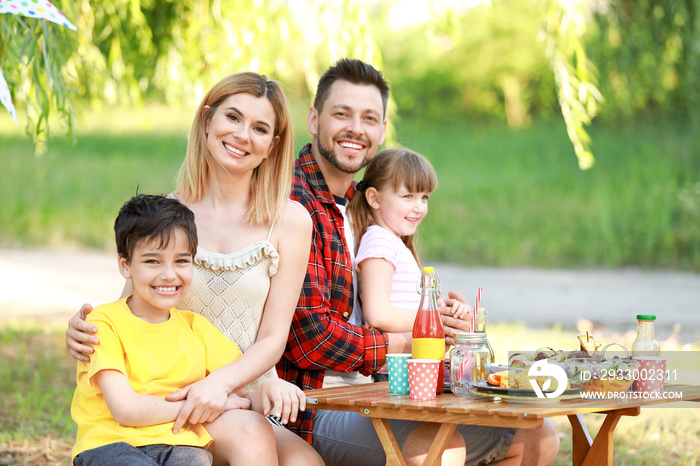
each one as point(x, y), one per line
point(428, 333)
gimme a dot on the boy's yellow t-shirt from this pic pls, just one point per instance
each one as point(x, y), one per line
point(158, 359)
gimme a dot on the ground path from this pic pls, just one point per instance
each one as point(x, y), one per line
point(50, 284)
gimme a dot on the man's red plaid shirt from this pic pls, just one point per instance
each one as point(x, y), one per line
point(320, 337)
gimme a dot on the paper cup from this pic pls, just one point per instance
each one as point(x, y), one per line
point(398, 372)
point(652, 373)
point(422, 378)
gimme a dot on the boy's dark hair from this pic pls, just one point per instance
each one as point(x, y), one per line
point(148, 217)
point(354, 71)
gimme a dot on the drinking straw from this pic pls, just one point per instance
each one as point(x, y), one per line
point(476, 308)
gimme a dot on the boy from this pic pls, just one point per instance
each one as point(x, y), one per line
point(149, 349)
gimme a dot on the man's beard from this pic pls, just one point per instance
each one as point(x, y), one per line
point(329, 155)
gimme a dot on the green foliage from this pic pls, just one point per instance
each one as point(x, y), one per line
point(32, 57)
point(576, 84)
point(493, 62)
point(513, 60)
point(177, 50)
point(471, 66)
point(128, 50)
point(648, 57)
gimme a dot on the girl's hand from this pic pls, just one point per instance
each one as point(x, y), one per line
point(206, 400)
point(451, 324)
point(460, 310)
point(456, 305)
point(283, 399)
point(234, 401)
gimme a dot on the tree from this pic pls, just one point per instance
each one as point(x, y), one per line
point(648, 59)
point(128, 50)
point(33, 54)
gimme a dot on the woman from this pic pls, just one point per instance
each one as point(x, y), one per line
point(254, 247)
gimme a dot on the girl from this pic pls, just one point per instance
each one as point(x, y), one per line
point(391, 201)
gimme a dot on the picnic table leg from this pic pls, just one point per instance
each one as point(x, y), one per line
point(600, 451)
point(438, 446)
point(394, 457)
point(580, 439)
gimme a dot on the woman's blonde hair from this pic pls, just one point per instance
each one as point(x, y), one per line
point(272, 179)
point(392, 167)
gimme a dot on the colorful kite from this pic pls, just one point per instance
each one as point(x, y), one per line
point(35, 9)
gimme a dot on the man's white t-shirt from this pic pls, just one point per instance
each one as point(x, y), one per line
point(334, 378)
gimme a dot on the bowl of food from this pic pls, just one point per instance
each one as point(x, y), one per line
point(605, 374)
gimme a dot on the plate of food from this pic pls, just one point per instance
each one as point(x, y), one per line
point(522, 380)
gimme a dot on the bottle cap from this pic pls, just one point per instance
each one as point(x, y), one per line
point(646, 317)
point(428, 269)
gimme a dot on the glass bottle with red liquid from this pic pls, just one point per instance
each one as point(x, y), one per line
point(428, 333)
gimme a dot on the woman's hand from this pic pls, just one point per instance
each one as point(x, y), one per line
point(206, 400)
point(80, 335)
point(281, 398)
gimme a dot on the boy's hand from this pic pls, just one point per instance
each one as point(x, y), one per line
point(283, 399)
point(80, 335)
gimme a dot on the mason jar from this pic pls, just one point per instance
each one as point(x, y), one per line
point(469, 362)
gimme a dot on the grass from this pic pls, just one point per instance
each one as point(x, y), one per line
point(506, 197)
point(37, 379)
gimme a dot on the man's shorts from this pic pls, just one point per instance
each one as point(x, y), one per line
point(347, 438)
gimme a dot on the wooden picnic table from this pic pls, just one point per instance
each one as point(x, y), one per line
point(374, 400)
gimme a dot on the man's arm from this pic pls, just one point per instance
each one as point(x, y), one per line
point(320, 339)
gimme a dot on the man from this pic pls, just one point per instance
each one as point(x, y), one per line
point(348, 124)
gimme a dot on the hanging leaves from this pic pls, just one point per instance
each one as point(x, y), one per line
point(577, 92)
point(32, 56)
